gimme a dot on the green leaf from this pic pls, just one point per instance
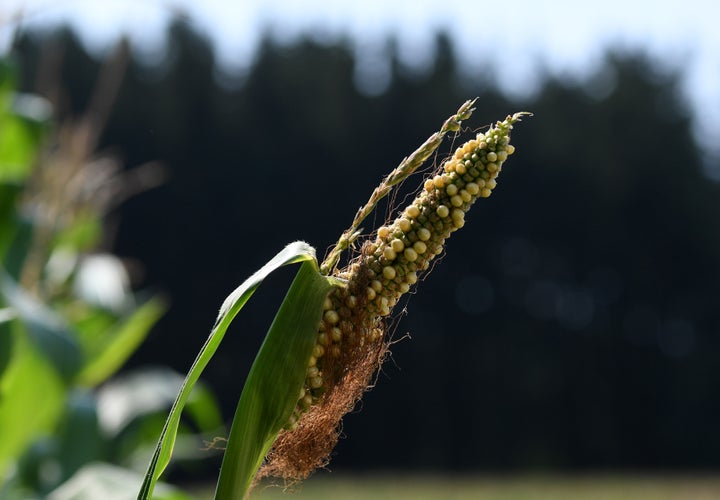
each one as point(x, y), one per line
point(105, 358)
point(32, 397)
point(293, 253)
point(273, 386)
point(47, 330)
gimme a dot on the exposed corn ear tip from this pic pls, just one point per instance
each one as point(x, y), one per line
point(351, 341)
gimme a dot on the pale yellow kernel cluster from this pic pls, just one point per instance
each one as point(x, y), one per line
point(389, 265)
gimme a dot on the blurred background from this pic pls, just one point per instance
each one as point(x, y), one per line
point(572, 326)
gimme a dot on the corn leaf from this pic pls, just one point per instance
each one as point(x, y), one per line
point(293, 253)
point(106, 358)
point(274, 383)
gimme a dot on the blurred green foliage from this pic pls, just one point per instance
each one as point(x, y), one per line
point(68, 322)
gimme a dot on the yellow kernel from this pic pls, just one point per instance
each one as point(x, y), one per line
point(491, 184)
point(389, 254)
point(480, 183)
point(411, 278)
point(484, 193)
point(318, 351)
point(420, 247)
point(439, 181)
point(327, 304)
point(404, 288)
point(472, 188)
point(510, 149)
point(332, 317)
point(450, 166)
point(316, 382)
point(336, 334)
point(370, 293)
point(458, 223)
point(351, 301)
point(451, 189)
point(312, 371)
point(412, 211)
point(302, 393)
point(312, 361)
point(384, 311)
point(442, 211)
point(389, 272)
point(460, 169)
point(323, 338)
point(491, 167)
point(383, 232)
point(455, 201)
point(457, 214)
point(492, 157)
point(502, 155)
point(306, 401)
point(423, 234)
point(397, 245)
point(376, 285)
point(383, 302)
point(410, 254)
point(429, 185)
point(292, 422)
point(404, 225)
point(466, 197)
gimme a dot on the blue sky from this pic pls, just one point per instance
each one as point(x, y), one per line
point(522, 36)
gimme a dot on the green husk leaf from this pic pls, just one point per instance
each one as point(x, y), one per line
point(274, 383)
point(293, 253)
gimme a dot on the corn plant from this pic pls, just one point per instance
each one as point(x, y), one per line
point(329, 336)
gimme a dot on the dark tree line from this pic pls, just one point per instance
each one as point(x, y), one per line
point(574, 322)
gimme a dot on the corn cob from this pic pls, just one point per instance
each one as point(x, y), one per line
point(351, 341)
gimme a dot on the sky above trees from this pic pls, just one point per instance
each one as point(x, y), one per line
point(523, 39)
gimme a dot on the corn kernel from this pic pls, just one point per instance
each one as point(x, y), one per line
point(332, 317)
point(410, 254)
point(397, 245)
point(318, 351)
point(442, 211)
point(420, 247)
point(423, 234)
point(336, 334)
point(389, 272)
